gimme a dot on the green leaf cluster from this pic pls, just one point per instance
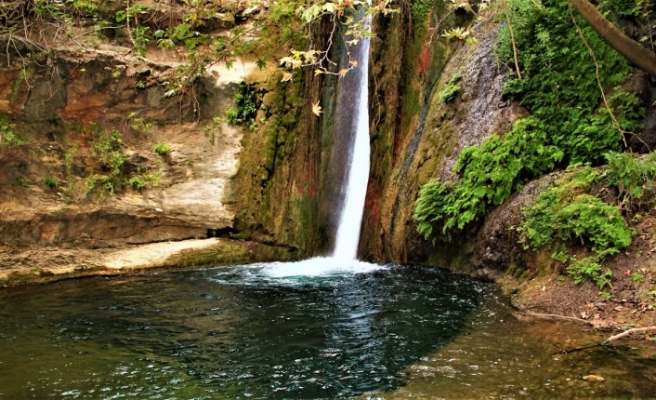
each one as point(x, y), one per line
point(50, 182)
point(632, 176)
point(105, 185)
point(584, 218)
point(567, 214)
point(107, 150)
point(9, 135)
point(489, 174)
point(625, 8)
point(451, 89)
point(247, 101)
point(162, 149)
point(588, 268)
point(145, 179)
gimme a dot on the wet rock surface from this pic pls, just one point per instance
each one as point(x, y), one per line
point(50, 263)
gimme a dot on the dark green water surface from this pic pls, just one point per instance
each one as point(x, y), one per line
point(259, 332)
point(226, 333)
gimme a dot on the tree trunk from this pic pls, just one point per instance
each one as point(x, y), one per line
point(640, 56)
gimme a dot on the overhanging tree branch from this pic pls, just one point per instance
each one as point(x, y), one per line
point(633, 51)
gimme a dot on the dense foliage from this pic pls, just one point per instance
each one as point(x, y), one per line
point(570, 125)
point(566, 214)
point(489, 175)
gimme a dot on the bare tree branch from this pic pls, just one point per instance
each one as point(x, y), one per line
point(641, 57)
point(629, 332)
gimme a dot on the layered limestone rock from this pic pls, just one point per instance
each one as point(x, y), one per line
point(56, 106)
point(62, 106)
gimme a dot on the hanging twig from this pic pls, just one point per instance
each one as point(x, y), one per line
point(435, 28)
point(127, 22)
point(512, 39)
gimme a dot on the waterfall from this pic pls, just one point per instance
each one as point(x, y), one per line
point(348, 231)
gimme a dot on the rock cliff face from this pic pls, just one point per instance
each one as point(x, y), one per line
point(105, 158)
point(417, 136)
point(58, 109)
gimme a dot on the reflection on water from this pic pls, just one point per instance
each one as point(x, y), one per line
point(500, 357)
point(264, 332)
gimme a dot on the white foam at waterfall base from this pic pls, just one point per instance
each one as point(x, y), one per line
point(317, 267)
point(318, 270)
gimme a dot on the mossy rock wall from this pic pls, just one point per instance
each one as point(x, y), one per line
point(290, 187)
point(277, 184)
point(406, 61)
point(416, 134)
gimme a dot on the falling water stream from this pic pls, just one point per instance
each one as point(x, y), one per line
point(348, 231)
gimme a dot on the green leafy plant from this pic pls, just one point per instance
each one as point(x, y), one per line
point(459, 33)
point(624, 8)
point(632, 176)
point(451, 89)
point(162, 149)
point(107, 152)
point(565, 215)
point(637, 277)
point(566, 212)
point(137, 123)
point(589, 268)
point(585, 219)
point(489, 175)
point(9, 135)
point(50, 182)
point(246, 101)
point(105, 185)
point(144, 180)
